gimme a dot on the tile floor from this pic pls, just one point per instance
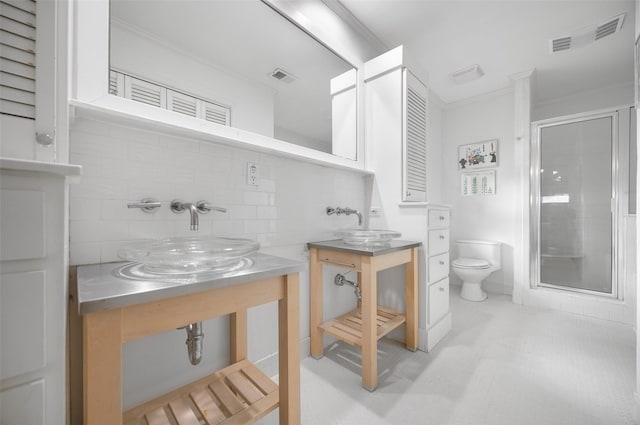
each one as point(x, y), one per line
point(501, 364)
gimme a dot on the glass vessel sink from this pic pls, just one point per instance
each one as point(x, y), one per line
point(369, 237)
point(187, 255)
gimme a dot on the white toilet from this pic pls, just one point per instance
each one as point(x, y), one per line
point(476, 261)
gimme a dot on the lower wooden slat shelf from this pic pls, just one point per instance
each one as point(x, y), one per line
point(237, 394)
point(348, 327)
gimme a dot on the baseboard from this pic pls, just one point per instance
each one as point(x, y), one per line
point(269, 364)
point(429, 338)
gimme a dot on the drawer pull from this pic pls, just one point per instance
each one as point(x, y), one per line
point(441, 217)
point(441, 263)
point(442, 237)
point(441, 289)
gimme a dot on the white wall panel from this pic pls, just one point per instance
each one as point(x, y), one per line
point(23, 405)
point(22, 323)
point(22, 225)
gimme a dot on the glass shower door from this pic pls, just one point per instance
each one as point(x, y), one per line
point(574, 193)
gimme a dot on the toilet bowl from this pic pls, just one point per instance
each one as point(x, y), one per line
point(476, 261)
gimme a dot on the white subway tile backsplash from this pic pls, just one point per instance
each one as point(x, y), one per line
point(256, 198)
point(242, 212)
point(85, 231)
point(256, 226)
point(84, 253)
point(84, 209)
point(124, 164)
point(267, 212)
point(233, 228)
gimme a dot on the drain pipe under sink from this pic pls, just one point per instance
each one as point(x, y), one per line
point(194, 341)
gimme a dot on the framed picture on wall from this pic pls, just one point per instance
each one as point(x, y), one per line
point(478, 183)
point(478, 155)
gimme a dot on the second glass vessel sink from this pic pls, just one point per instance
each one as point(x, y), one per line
point(369, 237)
point(185, 255)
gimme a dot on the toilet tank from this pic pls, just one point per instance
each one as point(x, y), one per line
point(485, 250)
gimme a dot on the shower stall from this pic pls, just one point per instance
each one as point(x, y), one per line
point(575, 201)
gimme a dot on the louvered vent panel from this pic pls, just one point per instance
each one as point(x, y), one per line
point(137, 89)
point(18, 58)
point(416, 146)
point(116, 83)
point(145, 92)
point(217, 114)
point(610, 27)
point(559, 44)
point(182, 103)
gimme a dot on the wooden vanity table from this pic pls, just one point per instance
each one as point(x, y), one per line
point(365, 325)
point(115, 310)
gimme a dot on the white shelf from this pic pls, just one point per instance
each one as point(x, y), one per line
point(40, 167)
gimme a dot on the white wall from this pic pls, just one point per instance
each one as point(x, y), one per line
point(124, 164)
point(600, 98)
point(490, 217)
point(252, 104)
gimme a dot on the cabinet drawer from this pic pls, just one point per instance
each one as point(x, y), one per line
point(439, 218)
point(438, 300)
point(438, 267)
point(438, 241)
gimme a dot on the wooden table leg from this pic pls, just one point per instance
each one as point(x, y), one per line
point(315, 304)
point(411, 298)
point(102, 362)
point(369, 325)
point(289, 352)
point(238, 334)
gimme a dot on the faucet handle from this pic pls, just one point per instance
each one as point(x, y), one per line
point(148, 205)
point(204, 207)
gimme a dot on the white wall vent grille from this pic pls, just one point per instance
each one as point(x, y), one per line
point(183, 104)
point(18, 58)
point(145, 92)
point(140, 90)
point(216, 113)
point(560, 44)
point(609, 27)
point(415, 141)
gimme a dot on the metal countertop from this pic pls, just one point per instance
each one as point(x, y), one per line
point(371, 250)
point(100, 289)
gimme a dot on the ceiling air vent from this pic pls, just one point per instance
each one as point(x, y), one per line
point(560, 44)
point(282, 75)
point(467, 74)
point(611, 26)
point(585, 36)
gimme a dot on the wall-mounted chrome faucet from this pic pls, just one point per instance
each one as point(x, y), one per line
point(202, 207)
point(347, 211)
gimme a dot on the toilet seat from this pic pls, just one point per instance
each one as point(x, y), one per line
point(471, 263)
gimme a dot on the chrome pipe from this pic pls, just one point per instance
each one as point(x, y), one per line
point(194, 342)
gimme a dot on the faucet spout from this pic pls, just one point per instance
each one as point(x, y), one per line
point(347, 211)
point(193, 214)
point(177, 206)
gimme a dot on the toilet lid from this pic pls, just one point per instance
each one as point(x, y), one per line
point(471, 263)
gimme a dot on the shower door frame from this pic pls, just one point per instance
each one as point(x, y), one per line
point(535, 198)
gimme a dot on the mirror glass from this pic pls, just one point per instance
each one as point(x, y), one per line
point(237, 63)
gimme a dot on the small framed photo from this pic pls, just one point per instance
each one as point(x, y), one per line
point(478, 183)
point(478, 155)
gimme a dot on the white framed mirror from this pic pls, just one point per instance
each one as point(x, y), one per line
point(264, 112)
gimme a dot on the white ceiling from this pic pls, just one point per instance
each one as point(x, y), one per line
point(504, 38)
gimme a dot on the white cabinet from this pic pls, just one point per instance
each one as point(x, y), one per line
point(33, 292)
point(438, 314)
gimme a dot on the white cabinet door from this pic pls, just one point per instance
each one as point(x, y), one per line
point(438, 300)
